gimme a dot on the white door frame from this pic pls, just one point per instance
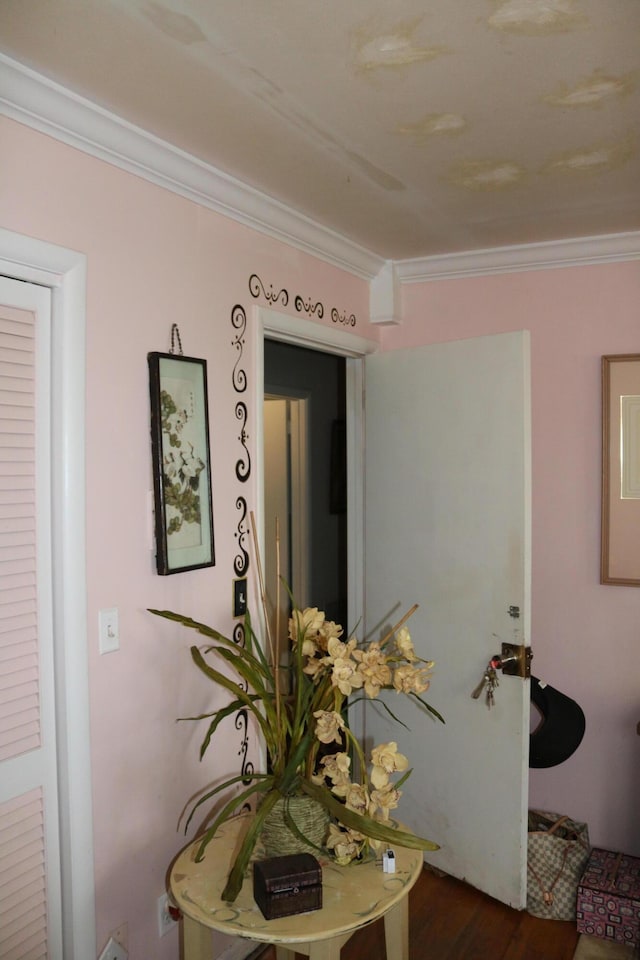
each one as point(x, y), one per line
point(64, 271)
point(305, 333)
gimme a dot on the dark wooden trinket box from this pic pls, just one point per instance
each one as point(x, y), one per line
point(283, 886)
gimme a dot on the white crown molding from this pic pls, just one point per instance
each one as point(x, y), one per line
point(38, 102)
point(527, 256)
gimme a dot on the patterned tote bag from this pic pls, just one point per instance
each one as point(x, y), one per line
point(557, 853)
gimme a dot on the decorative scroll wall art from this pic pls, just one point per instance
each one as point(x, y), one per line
point(241, 559)
point(309, 307)
point(181, 463)
point(258, 289)
point(347, 321)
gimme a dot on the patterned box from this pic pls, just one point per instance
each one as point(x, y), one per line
point(609, 897)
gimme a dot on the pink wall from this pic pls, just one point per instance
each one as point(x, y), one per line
point(153, 258)
point(585, 636)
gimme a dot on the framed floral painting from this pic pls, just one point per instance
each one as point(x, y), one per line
point(181, 463)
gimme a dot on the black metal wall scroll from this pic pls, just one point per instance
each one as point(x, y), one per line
point(347, 321)
point(257, 288)
point(241, 559)
point(309, 307)
point(303, 305)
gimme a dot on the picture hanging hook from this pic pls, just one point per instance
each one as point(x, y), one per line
point(175, 336)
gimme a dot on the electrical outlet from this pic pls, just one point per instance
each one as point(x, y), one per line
point(113, 951)
point(165, 920)
point(121, 935)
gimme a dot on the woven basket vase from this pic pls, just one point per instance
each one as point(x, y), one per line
point(309, 816)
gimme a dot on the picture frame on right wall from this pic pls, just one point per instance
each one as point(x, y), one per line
point(620, 552)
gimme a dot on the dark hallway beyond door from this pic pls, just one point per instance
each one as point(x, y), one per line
point(292, 371)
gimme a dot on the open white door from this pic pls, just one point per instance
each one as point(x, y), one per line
point(447, 511)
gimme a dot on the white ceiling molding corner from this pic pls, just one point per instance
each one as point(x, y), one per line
point(385, 308)
point(583, 251)
point(38, 102)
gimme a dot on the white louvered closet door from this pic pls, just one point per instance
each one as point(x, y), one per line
point(30, 899)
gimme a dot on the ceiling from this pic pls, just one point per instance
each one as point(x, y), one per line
point(411, 127)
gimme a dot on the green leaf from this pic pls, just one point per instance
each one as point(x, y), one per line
point(246, 671)
point(403, 779)
point(297, 757)
point(238, 870)
point(428, 707)
point(213, 713)
point(259, 778)
point(191, 623)
point(252, 643)
point(375, 829)
point(259, 664)
point(238, 693)
point(382, 703)
point(219, 716)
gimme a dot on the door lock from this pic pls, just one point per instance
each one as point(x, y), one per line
point(514, 660)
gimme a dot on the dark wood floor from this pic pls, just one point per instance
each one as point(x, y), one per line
point(451, 921)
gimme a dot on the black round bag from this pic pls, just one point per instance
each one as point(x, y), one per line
point(561, 730)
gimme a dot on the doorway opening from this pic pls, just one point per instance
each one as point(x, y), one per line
point(305, 461)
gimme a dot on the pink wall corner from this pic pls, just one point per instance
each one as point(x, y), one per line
point(153, 259)
point(585, 636)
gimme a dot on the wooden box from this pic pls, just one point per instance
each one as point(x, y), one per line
point(283, 886)
point(608, 904)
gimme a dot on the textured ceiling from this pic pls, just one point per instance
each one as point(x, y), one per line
point(412, 127)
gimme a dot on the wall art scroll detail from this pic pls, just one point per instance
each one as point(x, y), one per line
point(241, 560)
point(243, 466)
point(347, 321)
point(239, 323)
point(181, 463)
point(309, 306)
point(620, 553)
point(257, 289)
point(242, 724)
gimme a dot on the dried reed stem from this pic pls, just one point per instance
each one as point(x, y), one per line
point(400, 623)
point(276, 665)
point(265, 614)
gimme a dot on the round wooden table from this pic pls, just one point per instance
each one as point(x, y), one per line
point(353, 896)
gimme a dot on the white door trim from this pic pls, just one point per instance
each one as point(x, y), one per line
point(314, 336)
point(25, 258)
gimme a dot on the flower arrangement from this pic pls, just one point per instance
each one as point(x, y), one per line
point(301, 705)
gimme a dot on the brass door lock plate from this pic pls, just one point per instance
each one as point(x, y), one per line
point(516, 660)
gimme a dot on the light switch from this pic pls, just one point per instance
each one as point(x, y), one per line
point(239, 597)
point(108, 630)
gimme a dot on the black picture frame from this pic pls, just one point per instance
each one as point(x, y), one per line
point(181, 463)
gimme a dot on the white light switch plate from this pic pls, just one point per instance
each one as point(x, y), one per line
point(108, 630)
